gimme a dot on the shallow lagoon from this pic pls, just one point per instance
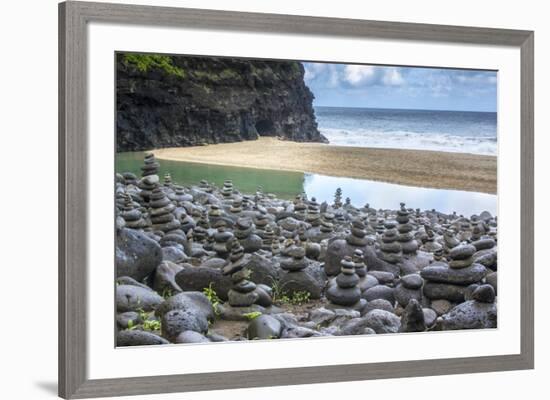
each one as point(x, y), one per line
point(287, 184)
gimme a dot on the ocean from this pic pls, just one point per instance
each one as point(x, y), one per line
point(451, 131)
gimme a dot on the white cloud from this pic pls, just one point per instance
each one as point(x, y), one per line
point(359, 74)
point(392, 77)
point(313, 70)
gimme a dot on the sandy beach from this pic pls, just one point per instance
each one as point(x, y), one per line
point(432, 169)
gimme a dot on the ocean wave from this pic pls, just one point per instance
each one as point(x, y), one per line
point(412, 140)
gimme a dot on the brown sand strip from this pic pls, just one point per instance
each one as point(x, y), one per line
point(433, 169)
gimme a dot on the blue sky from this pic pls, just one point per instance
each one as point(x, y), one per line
point(347, 85)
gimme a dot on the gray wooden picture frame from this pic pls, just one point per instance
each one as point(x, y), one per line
point(73, 200)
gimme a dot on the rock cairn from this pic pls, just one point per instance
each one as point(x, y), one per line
point(390, 247)
point(344, 292)
point(338, 198)
point(244, 232)
point(151, 166)
point(450, 281)
point(160, 212)
point(199, 237)
point(406, 237)
point(132, 216)
point(222, 238)
point(243, 291)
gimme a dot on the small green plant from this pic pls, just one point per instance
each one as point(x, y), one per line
point(300, 297)
point(151, 325)
point(167, 292)
point(280, 296)
point(212, 296)
point(131, 325)
point(252, 315)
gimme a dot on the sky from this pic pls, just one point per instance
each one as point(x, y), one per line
point(348, 85)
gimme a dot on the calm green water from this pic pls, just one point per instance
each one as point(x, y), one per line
point(281, 183)
point(286, 185)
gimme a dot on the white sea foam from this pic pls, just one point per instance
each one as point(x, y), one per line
point(411, 140)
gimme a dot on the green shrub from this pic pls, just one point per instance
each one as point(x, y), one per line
point(145, 62)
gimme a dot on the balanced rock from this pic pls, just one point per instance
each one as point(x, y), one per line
point(345, 291)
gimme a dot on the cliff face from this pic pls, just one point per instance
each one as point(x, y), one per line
point(176, 101)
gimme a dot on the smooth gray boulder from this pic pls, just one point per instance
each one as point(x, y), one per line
point(264, 327)
point(195, 302)
point(136, 337)
point(177, 321)
point(136, 255)
point(469, 315)
point(134, 298)
point(382, 321)
point(461, 276)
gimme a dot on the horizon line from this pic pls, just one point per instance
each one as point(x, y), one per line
point(406, 109)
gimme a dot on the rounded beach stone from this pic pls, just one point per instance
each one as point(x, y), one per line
point(379, 292)
point(133, 298)
point(447, 291)
point(484, 294)
point(441, 306)
point(237, 299)
point(264, 327)
point(191, 337)
point(196, 302)
point(378, 304)
point(176, 321)
point(383, 277)
point(382, 321)
point(412, 281)
point(347, 281)
point(462, 251)
point(457, 264)
point(462, 276)
point(430, 317)
point(492, 280)
point(404, 295)
point(136, 255)
point(482, 244)
point(469, 315)
point(138, 338)
point(343, 296)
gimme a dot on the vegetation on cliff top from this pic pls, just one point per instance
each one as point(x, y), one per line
point(145, 62)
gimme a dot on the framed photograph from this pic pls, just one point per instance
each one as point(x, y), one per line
point(255, 200)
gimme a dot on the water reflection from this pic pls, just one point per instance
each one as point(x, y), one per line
point(287, 184)
point(388, 195)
